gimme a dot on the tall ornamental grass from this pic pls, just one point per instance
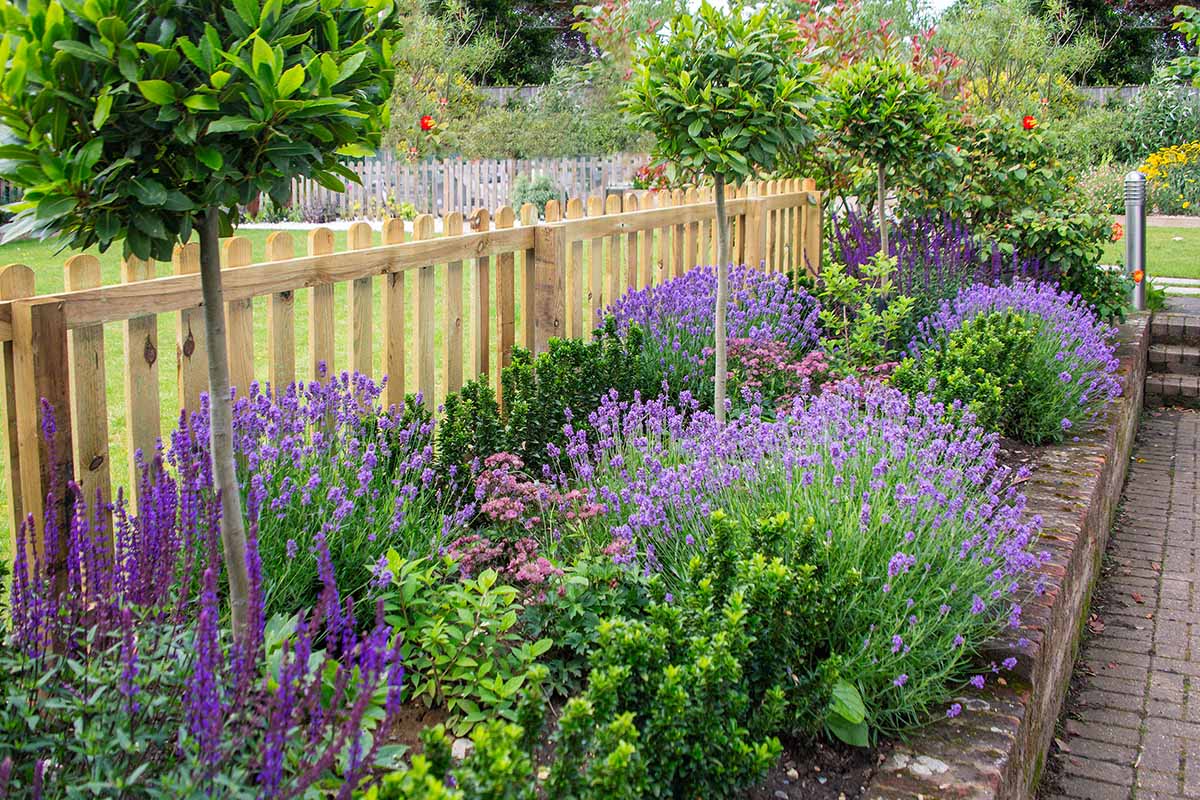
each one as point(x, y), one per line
point(677, 320)
point(914, 515)
point(1064, 370)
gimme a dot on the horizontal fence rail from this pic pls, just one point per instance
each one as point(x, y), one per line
point(427, 311)
point(454, 184)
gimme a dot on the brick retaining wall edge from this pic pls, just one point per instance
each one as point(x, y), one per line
point(996, 748)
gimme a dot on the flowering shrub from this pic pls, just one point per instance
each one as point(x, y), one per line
point(1173, 179)
point(676, 318)
point(911, 508)
point(1059, 376)
point(117, 674)
point(325, 460)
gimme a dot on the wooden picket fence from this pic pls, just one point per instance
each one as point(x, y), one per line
point(440, 187)
point(441, 309)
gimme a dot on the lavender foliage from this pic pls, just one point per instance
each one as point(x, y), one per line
point(119, 670)
point(326, 460)
point(909, 504)
point(677, 318)
point(1071, 368)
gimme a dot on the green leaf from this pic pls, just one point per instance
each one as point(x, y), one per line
point(847, 703)
point(201, 102)
point(80, 50)
point(233, 124)
point(291, 80)
point(148, 191)
point(262, 55)
point(219, 78)
point(856, 735)
point(210, 157)
point(103, 108)
point(112, 29)
point(157, 91)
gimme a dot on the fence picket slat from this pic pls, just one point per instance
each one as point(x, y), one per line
point(646, 257)
point(481, 311)
point(361, 300)
point(395, 338)
point(239, 321)
point(140, 371)
point(678, 238)
point(39, 331)
point(529, 216)
point(812, 234)
point(191, 351)
point(88, 391)
point(321, 335)
point(630, 203)
point(426, 317)
point(691, 239)
point(575, 307)
point(454, 309)
point(595, 208)
point(281, 319)
point(506, 295)
point(612, 254)
point(16, 283)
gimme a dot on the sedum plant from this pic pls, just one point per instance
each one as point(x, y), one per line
point(726, 100)
point(148, 121)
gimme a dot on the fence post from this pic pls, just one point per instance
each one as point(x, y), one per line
point(549, 291)
point(40, 368)
point(16, 283)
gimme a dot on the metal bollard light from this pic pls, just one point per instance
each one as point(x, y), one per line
point(1135, 236)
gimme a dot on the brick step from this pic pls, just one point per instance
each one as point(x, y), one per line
point(1167, 327)
point(1173, 389)
point(1180, 359)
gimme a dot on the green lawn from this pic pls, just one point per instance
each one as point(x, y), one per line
point(1170, 252)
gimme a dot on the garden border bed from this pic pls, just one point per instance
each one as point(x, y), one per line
point(997, 747)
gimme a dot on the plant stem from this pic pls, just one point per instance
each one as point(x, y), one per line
point(722, 298)
point(233, 526)
point(883, 225)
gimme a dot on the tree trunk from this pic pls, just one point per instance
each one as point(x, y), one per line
point(233, 527)
point(883, 224)
point(722, 299)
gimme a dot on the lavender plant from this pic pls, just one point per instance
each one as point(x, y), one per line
point(1066, 363)
point(679, 329)
point(119, 679)
point(326, 461)
point(914, 513)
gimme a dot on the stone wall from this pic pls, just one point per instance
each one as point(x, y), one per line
point(996, 748)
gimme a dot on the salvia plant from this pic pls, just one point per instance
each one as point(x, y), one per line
point(119, 677)
point(914, 511)
point(935, 255)
point(1068, 368)
point(678, 325)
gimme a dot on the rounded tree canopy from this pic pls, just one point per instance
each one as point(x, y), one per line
point(724, 92)
point(129, 118)
point(885, 111)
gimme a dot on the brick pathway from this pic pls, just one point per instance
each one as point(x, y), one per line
point(1132, 729)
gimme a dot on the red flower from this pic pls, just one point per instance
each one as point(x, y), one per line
point(1030, 122)
point(427, 123)
point(1118, 232)
point(1138, 276)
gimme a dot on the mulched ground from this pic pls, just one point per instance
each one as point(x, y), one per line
point(820, 771)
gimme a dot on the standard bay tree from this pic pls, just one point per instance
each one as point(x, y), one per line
point(727, 100)
point(148, 122)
